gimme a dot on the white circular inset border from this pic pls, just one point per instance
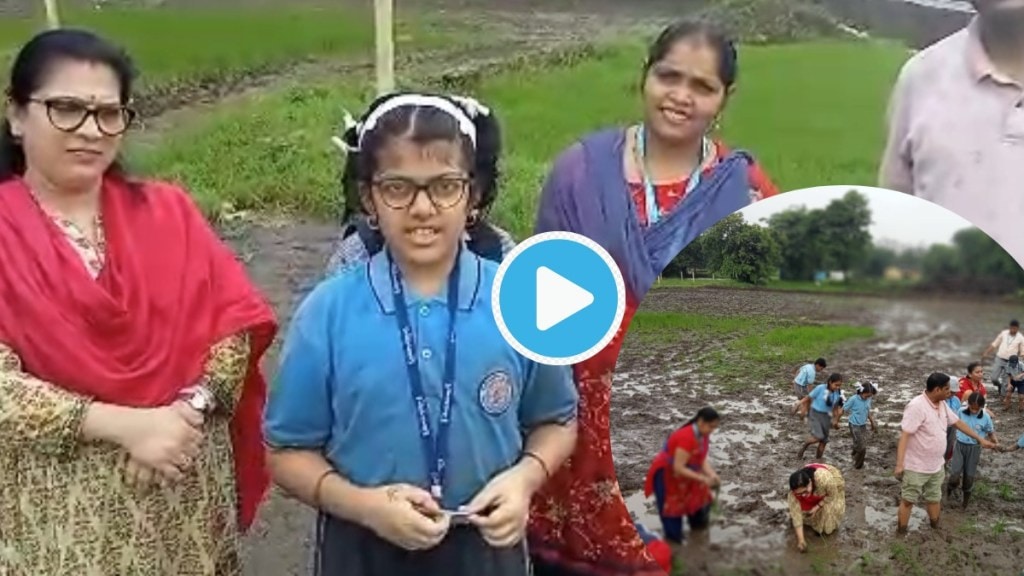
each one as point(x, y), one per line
point(620, 293)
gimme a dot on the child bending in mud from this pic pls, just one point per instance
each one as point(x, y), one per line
point(824, 404)
point(806, 376)
point(967, 451)
point(859, 409)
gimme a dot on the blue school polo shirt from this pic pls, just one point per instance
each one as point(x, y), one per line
point(982, 426)
point(1020, 441)
point(820, 394)
point(342, 386)
point(805, 377)
point(858, 408)
point(954, 404)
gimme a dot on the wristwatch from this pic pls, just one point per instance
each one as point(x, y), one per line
point(200, 399)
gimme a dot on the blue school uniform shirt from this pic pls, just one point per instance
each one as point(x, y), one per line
point(805, 377)
point(982, 426)
point(954, 404)
point(858, 409)
point(820, 394)
point(1020, 441)
point(343, 387)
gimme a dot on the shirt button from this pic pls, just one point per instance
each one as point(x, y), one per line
point(427, 354)
point(424, 311)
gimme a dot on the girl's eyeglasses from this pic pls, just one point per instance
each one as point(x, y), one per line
point(70, 114)
point(444, 192)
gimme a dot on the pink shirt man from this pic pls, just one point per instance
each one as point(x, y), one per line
point(956, 137)
point(927, 425)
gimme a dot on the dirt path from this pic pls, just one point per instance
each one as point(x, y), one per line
point(755, 450)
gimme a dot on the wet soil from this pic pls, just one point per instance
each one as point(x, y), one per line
point(657, 388)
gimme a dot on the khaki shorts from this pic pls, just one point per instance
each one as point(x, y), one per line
point(917, 486)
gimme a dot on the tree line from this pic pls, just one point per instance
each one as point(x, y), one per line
point(800, 243)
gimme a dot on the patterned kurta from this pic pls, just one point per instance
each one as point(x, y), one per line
point(65, 506)
point(828, 482)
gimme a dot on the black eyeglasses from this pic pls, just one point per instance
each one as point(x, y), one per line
point(70, 114)
point(444, 192)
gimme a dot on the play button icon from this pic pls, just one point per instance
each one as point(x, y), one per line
point(558, 298)
point(564, 299)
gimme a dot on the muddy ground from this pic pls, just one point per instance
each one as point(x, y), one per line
point(657, 389)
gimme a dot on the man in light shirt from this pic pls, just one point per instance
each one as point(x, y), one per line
point(1009, 342)
point(920, 454)
point(956, 124)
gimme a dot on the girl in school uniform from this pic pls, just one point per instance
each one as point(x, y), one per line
point(955, 405)
point(826, 402)
point(967, 451)
point(859, 409)
point(681, 477)
point(399, 412)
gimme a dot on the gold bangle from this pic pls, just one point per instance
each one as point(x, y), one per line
point(543, 464)
point(319, 486)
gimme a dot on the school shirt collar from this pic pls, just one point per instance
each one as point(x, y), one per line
point(469, 282)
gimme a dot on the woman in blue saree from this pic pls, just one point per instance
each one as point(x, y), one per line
point(643, 193)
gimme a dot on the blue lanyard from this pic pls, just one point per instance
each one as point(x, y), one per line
point(651, 198)
point(435, 450)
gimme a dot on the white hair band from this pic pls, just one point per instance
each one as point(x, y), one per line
point(466, 125)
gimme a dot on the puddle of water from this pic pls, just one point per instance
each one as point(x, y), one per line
point(885, 519)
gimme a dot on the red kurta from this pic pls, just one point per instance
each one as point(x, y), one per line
point(683, 496)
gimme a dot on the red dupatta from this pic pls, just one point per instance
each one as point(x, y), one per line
point(141, 332)
point(808, 500)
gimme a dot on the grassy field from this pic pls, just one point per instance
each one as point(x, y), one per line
point(274, 152)
point(222, 41)
point(853, 287)
point(761, 345)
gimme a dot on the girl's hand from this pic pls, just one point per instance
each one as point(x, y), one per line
point(801, 546)
point(501, 509)
point(141, 476)
point(408, 517)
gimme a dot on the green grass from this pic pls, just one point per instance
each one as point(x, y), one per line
point(274, 153)
point(763, 347)
point(222, 41)
point(786, 285)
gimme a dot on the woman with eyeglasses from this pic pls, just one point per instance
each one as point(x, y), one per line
point(130, 337)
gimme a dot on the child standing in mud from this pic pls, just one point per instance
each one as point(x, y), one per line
point(806, 376)
point(1015, 383)
point(859, 409)
point(825, 403)
point(406, 342)
point(955, 405)
point(967, 451)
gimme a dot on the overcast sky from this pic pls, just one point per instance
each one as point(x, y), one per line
point(896, 217)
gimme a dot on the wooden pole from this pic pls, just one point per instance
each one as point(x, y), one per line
point(384, 28)
point(52, 14)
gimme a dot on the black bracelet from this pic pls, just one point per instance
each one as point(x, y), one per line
point(543, 465)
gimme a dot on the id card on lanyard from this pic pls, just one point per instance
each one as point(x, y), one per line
point(435, 445)
point(650, 192)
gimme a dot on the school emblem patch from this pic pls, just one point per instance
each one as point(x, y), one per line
point(496, 393)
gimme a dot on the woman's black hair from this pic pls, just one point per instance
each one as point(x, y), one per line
point(800, 478)
point(978, 400)
point(424, 124)
point(728, 66)
point(972, 366)
point(705, 414)
point(833, 377)
point(30, 68)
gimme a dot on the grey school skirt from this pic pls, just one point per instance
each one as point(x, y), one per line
point(821, 425)
point(347, 549)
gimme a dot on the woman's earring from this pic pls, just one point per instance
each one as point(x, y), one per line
point(371, 221)
point(472, 218)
